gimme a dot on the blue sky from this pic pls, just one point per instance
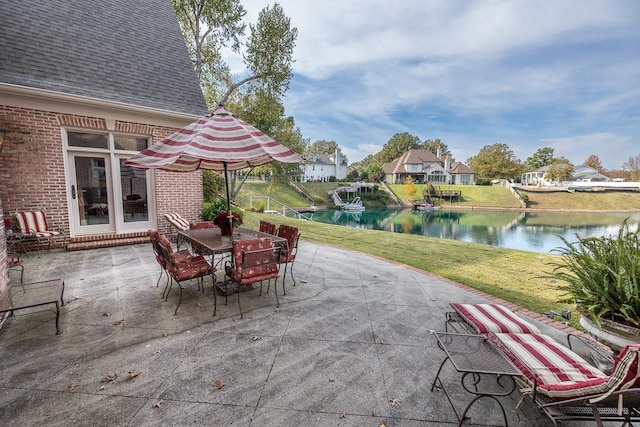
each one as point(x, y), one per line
point(530, 74)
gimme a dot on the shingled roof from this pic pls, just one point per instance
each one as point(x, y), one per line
point(112, 50)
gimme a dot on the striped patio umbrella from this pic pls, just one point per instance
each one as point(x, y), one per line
point(220, 142)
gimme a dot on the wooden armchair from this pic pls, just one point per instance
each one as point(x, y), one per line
point(253, 261)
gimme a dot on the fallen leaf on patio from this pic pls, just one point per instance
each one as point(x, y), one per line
point(382, 424)
point(277, 310)
point(343, 415)
point(106, 314)
point(102, 387)
point(219, 384)
point(73, 384)
point(158, 404)
point(133, 374)
point(381, 342)
point(394, 402)
point(256, 338)
point(331, 380)
point(109, 378)
point(303, 281)
point(165, 334)
point(199, 305)
point(118, 322)
point(157, 351)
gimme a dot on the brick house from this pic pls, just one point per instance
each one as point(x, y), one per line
point(424, 166)
point(84, 85)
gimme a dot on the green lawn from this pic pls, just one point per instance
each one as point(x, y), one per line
point(508, 274)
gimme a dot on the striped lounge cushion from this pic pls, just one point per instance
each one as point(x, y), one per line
point(177, 221)
point(559, 373)
point(485, 318)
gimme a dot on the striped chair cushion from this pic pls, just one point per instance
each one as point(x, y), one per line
point(485, 318)
point(177, 221)
point(560, 374)
point(35, 222)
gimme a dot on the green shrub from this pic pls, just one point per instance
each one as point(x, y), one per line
point(602, 275)
point(211, 210)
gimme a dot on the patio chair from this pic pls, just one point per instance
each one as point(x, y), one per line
point(177, 223)
point(289, 250)
point(35, 223)
point(14, 262)
point(253, 260)
point(182, 270)
point(184, 255)
point(268, 227)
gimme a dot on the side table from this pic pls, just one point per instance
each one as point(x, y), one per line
point(30, 295)
point(477, 359)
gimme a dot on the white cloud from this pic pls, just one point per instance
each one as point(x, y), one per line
point(476, 72)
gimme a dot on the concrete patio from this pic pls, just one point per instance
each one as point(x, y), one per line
point(349, 346)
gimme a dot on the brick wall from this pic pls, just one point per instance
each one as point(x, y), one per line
point(4, 269)
point(32, 166)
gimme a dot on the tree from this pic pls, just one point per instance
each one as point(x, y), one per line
point(633, 167)
point(323, 147)
point(593, 161)
point(560, 170)
point(209, 25)
point(374, 173)
point(542, 157)
point(399, 144)
point(409, 187)
point(496, 161)
point(433, 145)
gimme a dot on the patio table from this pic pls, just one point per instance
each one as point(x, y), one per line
point(212, 242)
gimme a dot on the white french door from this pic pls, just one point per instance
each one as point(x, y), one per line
point(104, 194)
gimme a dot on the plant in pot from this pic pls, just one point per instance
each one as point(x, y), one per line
point(602, 275)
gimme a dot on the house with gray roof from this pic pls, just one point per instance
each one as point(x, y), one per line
point(324, 167)
point(84, 85)
point(424, 166)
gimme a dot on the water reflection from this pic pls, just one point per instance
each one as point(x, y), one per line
point(531, 231)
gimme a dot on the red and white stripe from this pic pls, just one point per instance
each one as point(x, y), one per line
point(494, 318)
point(211, 142)
point(560, 373)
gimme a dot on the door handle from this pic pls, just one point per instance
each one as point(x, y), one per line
point(73, 192)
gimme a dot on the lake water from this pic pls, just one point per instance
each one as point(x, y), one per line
point(529, 231)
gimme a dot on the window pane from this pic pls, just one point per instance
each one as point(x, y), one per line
point(130, 143)
point(89, 140)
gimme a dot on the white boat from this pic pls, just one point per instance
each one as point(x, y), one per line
point(355, 205)
point(428, 207)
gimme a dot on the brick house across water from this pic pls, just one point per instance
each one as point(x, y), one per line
point(84, 85)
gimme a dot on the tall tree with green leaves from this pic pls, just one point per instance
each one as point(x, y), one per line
point(560, 170)
point(433, 145)
point(208, 26)
point(542, 157)
point(323, 147)
point(496, 161)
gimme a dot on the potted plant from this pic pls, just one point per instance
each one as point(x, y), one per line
point(226, 226)
point(602, 276)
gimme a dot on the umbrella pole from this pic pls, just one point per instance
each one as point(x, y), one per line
point(226, 183)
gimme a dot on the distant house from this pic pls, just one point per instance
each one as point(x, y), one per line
point(324, 167)
point(84, 86)
point(581, 173)
point(424, 166)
